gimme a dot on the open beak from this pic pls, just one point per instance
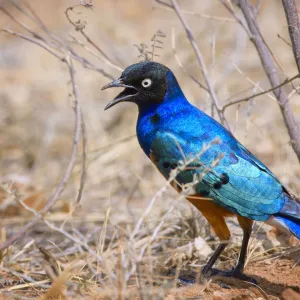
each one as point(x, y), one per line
point(125, 95)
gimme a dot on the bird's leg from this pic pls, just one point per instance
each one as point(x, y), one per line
point(217, 221)
point(215, 217)
point(238, 271)
point(207, 271)
point(212, 260)
point(243, 253)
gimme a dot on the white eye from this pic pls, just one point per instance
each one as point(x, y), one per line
point(146, 82)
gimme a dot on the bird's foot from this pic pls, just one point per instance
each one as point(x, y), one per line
point(234, 273)
point(189, 278)
point(185, 277)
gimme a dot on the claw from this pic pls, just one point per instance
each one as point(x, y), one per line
point(189, 278)
point(234, 273)
point(185, 278)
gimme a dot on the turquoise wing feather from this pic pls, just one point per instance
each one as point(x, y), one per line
point(227, 172)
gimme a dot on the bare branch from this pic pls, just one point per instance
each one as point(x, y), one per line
point(25, 277)
point(84, 160)
point(291, 14)
point(201, 63)
point(77, 241)
point(33, 16)
point(238, 19)
point(180, 64)
point(164, 3)
point(289, 44)
point(34, 34)
point(270, 69)
point(169, 7)
point(242, 23)
point(83, 131)
point(80, 29)
point(34, 41)
point(261, 93)
point(60, 188)
point(50, 43)
point(74, 239)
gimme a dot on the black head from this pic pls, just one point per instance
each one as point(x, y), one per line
point(145, 82)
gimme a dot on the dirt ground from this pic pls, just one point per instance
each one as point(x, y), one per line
point(277, 278)
point(90, 250)
point(272, 280)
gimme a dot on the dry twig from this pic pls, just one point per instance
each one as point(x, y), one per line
point(52, 44)
point(201, 63)
point(60, 188)
point(270, 69)
point(79, 27)
point(288, 80)
point(291, 14)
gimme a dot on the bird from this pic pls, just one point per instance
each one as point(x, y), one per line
point(202, 159)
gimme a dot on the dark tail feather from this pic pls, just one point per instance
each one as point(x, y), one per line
point(291, 225)
point(289, 216)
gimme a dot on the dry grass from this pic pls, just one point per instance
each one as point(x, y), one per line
point(130, 227)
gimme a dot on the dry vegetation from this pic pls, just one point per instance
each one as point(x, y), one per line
point(129, 235)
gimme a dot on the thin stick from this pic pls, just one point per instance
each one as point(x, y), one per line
point(238, 19)
point(74, 239)
point(84, 160)
point(201, 63)
point(270, 69)
point(169, 7)
point(25, 277)
point(291, 14)
point(51, 43)
point(60, 188)
point(180, 64)
point(89, 40)
point(261, 93)
point(34, 41)
point(283, 39)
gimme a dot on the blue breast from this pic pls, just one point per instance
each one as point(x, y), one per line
point(173, 114)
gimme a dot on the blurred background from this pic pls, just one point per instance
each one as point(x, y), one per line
point(36, 117)
point(37, 121)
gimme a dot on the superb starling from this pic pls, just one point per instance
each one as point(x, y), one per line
point(227, 180)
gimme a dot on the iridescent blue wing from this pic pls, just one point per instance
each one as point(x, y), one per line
point(225, 171)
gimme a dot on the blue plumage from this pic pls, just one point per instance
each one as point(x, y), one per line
point(252, 191)
point(226, 179)
point(292, 225)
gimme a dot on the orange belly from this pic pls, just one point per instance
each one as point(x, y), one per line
point(207, 207)
point(214, 214)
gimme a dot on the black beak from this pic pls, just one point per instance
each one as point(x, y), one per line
point(125, 95)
